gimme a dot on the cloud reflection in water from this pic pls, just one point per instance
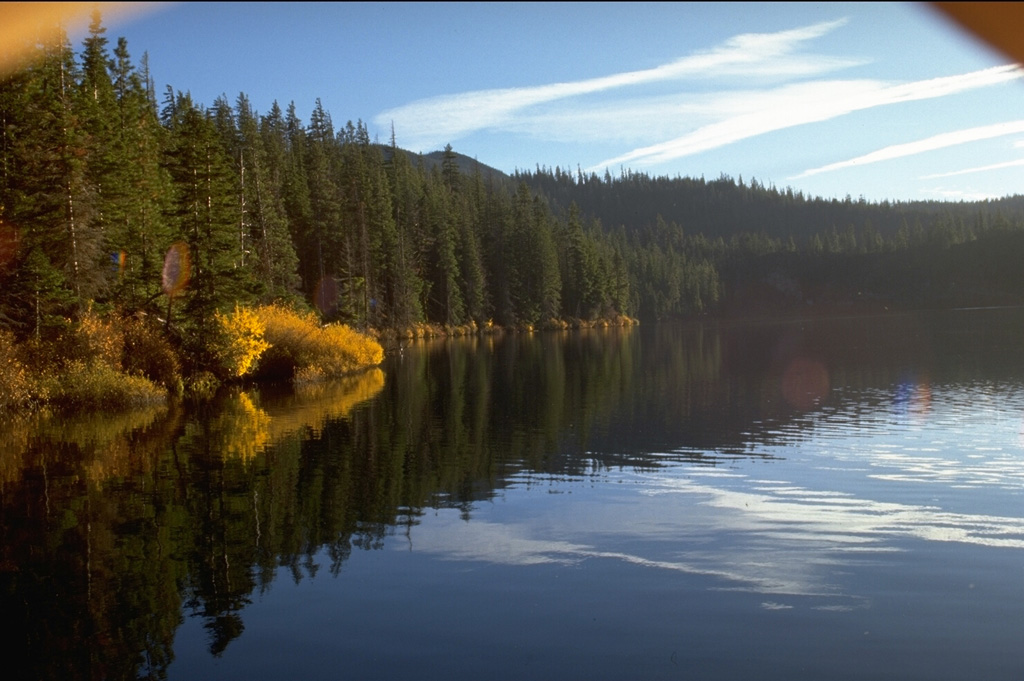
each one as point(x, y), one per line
point(858, 482)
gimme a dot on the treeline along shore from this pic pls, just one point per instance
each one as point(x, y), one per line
point(151, 245)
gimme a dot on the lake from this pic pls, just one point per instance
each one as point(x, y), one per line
point(810, 498)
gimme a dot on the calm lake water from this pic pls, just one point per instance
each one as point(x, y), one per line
point(807, 499)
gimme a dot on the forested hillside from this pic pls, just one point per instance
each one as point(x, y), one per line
point(118, 199)
point(695, 245)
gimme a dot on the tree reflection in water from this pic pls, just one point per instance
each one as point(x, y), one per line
point(112, 528)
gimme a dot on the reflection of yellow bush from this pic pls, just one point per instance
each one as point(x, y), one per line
point(15, 435)
point(97, 431)
point(104, 441)
point(313, 404)
point(315, 351)
point(244, 426)
point(247, 424)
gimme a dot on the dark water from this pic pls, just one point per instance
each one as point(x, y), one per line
point(811, 499)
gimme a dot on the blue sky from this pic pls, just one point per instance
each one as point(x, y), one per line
point(873, 100)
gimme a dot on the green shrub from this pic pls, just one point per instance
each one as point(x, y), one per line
point(98, 386)
point(147, 352)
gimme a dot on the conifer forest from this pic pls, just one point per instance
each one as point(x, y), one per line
point(124, 206)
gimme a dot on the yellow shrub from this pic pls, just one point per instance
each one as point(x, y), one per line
point(15, 386)
point(97, 339)
point(312, 351)
point(288, 330)
point(343, 350)
point(241, 340)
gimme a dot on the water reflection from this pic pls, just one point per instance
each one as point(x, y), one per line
point(114, 526)
point(776, 459)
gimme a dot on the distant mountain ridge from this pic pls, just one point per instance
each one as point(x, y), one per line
point(725, 207)
point(467, 165)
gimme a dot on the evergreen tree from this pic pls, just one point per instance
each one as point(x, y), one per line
point(266, 145)
point(324, 247)
point(298, 209)
point(136, 187)
point(469, 251)
point(445, 303)
point(381, 237)
point(579, 285)
point(403, 283)
point(46, 190)
point(96, 107)
point(204, 214)
point(548, 279)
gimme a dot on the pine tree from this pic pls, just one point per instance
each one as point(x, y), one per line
point(381, 234)
point(297, 205)
point(97, 109)
point(46, 190)
point(497, 245)
point(136, 189)
point(204, 214)
point(579, 280)
point(360, 221)
point(403, 284)
point(548, 280)
point(264, 143)
point(445, 304)
point(324, 248)
point(469, 251)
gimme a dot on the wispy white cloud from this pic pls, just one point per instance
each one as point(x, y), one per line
point(431, 122)
point(980, 169)
point(630, 120)
point(776, 81)
point(932, 143)
point(809, 103)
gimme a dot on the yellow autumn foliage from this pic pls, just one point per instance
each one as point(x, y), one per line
point(316, 351)
point(15, 385)
point(96, 340)
point(241, 340)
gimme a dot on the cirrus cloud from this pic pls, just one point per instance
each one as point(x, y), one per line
point(431, 122)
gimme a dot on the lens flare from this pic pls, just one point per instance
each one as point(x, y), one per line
point(176, 269)
point(118, 261)
point(805, 383)
point(326, 297)
point(8, 244)
point(913, 399)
